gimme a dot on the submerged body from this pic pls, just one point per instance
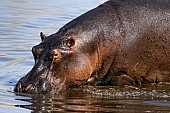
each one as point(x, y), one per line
point(120, 42)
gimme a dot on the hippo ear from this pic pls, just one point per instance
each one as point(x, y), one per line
point(42, 36)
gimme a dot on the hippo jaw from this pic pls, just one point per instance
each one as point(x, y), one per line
point(49, 80)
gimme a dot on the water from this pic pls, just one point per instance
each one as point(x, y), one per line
point(21, 21)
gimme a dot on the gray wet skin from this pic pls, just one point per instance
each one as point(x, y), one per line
point(121, 42)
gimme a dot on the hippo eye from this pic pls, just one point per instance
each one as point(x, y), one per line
point(70, 43)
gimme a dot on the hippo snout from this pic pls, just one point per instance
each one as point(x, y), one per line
point(20, 87)
point(37, 87)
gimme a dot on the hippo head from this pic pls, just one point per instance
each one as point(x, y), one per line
point(58, 65)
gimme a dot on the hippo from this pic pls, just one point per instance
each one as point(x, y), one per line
point(120, 42)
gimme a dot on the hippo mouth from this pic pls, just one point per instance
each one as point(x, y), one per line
point(30, 84)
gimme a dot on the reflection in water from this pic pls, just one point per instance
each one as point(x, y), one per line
point(113, 99)
point(8, 101)
point(20, 24)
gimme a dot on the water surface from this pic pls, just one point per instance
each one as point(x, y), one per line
point(21, 21)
